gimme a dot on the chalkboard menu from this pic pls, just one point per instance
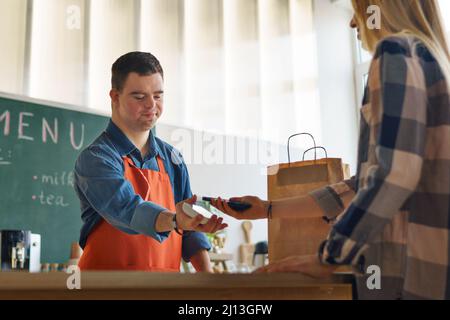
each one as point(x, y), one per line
point(39, 145)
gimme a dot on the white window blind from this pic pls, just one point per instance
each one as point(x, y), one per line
point(56, 69)
point(13, 35)
point(112, 33)
point(239, 67)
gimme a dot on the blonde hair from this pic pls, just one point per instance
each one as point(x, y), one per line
point(418, 18)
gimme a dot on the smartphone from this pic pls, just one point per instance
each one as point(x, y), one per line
point(235, 205)
point(193, 210)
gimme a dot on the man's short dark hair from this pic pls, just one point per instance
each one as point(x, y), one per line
point(143, 63)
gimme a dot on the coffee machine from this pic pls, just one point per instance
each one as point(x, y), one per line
point(20, 250)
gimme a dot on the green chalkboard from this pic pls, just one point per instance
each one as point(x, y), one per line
point(39, 145)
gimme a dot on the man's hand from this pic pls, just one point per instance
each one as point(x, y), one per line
point(308, 265)
point(185, 222)
point(257, 211)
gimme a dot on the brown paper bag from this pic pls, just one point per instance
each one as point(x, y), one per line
point(300, 236)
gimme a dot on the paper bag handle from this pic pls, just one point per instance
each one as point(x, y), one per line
point(315, 155)
point(299, 134)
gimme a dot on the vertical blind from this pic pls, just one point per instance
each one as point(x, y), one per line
point(239, 67)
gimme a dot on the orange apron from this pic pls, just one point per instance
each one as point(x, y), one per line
point(108, 248)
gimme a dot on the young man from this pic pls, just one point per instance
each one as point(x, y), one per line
point(128, 185)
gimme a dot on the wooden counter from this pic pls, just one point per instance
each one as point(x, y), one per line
point(142, 285)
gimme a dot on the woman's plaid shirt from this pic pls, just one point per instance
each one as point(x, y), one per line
point(399, 218)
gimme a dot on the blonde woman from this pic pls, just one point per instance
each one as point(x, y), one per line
point(395, 214)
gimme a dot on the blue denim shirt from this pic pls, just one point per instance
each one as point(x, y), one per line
point(105, 193)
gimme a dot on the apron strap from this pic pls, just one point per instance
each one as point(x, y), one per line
point(128, 160)
point(161, 166)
